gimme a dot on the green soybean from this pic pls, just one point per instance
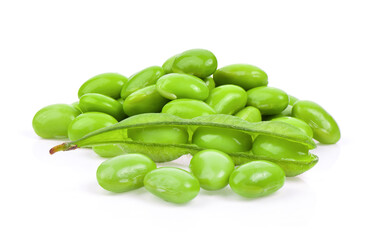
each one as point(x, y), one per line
point(227, 99)
point(167, 65)
point(257, 179)
point(172, 184)
point(210, 83)
point(141, 79)
point(325, 128)
point(285, 113)
point(52, 121)
point(292, 100)
point(145, 100)
point(250, 114)
point(244, 75)
point(227, 140)
point(198, 62)
point(303, 126)
point(188, 108)
point(268, 100)
point(161, 152)
point(95, 102)
point(121, 100)
point(76, 106)
point(88, 122)
point(110, 150)
point(169, 135)
point(109, 84)
point(268, 146)
point(124, 173)
point(176, 85)
point(212, 168)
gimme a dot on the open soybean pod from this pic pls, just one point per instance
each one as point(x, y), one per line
point(164, 151)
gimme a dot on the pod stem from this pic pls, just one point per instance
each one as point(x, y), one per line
point(63, 147)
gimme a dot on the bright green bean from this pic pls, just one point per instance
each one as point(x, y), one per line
point(325, 128)
point(172, 184)
point(227, 99)
point(257, 179)
point(243, 75)
point(212, 168)
point(124, 173)
point(109, 84)
point(52, 121)
point(198, 62)
point(141, 79)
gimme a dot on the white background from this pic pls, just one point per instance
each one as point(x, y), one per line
point(325, 51)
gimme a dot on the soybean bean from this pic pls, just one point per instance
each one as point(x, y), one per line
point(244, 75)
point(286, 112)
point(52, 121)
point(144, 100)
point(109, 84)
point(169, 135)
point(176, 85)
point(292, 100)
point(227, 99)
point(212, 168)
point(110, 150)
point(172, 184)
point(268, 146)
point(268, 100)
point(257, 179)
point(124, 173)
point(225, 140)
point(167, 65)
point(198, 62)
point(250, 114)
point(88, 122)
point(210, 83)
point(188, 108)
point(325, 128)
point(76, 106)
point(141, 79)
point(95, 102)
point(303, 126)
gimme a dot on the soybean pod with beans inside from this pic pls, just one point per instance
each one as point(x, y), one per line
point(162, 152)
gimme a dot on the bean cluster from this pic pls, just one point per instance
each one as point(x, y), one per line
point(223, 117)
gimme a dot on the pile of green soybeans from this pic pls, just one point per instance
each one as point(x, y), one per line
point(238, 130)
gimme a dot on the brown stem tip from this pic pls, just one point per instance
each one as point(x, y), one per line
point(62, 147)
